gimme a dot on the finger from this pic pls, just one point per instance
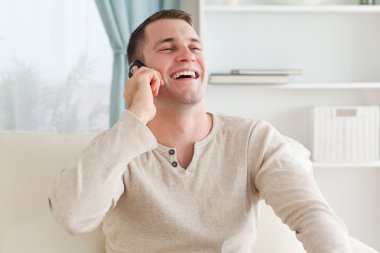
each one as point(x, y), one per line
point(162, 83)
point(155, 82)
point(133, 70)
point(153, 87)
point(157, 89)
point(162, 80)
point(136, 69)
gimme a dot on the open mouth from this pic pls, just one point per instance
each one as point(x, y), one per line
point(185, 75)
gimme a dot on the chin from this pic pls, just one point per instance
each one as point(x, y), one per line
point(193, 97)
point(185, 99)
point(190, 99)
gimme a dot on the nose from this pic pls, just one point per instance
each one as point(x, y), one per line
point(185, 55)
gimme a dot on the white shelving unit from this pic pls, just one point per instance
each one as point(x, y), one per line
point(336, 45)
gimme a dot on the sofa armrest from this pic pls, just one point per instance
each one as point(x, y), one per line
point(359, 247)
point(270, 227)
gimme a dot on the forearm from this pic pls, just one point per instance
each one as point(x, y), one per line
point(322, 232)
point(282, 177)
point(81, 195)
point(300, 205)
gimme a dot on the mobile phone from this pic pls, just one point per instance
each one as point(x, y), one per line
point(137, 63)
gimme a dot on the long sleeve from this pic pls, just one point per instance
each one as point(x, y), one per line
point(81, 195)
point(283, 179)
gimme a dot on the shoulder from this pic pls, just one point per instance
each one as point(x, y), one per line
point(232, 120)
point(244, 129)
point(237, 123)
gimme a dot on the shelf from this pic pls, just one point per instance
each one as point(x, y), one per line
point(371, 85)
point(346, 165)
point(294, 8)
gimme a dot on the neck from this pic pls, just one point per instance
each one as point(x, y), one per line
point(181, 126)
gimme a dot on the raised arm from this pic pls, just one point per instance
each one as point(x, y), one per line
point(81, 195)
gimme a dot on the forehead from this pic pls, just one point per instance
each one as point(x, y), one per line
point(177, 29)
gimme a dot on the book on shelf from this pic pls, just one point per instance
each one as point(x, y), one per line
point(248, 79)
point(266, 71)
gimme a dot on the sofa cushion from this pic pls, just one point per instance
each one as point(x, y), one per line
point(28, 162)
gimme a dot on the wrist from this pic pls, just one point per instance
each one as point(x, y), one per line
point(139, 114)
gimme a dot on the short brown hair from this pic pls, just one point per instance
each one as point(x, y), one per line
point(134, 49)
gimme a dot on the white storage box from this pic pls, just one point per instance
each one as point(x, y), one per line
point(345, 134)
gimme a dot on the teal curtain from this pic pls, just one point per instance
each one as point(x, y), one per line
point(120, 18)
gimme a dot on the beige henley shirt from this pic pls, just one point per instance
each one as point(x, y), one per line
point(148, 203)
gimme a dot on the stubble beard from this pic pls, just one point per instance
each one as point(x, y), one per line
point(178, 98)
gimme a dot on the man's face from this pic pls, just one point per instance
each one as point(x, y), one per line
point(172, 47)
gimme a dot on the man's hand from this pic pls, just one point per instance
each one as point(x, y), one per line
point(139, 91)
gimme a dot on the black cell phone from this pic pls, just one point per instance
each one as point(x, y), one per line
point(137, 63)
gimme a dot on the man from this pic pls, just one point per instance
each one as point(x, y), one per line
point(170, 177)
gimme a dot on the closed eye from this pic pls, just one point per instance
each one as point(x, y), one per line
point(167, 49)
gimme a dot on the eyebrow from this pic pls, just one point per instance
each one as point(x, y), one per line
point(170, 39)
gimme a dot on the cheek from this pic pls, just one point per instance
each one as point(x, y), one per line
point(202, 61)
point(157, 63)
point(204, 64)
point(159, 66)
point(164, 73)
point(204, 69)
point(151, 59)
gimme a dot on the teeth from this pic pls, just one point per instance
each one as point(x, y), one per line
point(184, 73)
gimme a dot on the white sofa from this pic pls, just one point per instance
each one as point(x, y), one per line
point(29, 161)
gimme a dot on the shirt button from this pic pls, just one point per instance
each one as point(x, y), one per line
point(171, 151)
point(174, 164)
